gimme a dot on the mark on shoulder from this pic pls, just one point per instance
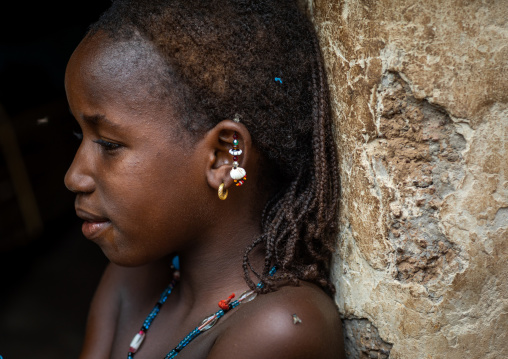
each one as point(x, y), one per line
point(267, 328)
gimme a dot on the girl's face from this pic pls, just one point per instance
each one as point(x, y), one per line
point(136, 174)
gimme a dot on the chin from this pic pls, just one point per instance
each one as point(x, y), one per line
point(121, 259)
point(128, 259)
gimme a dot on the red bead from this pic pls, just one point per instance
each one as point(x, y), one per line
point(224, 304)
point(235, 158)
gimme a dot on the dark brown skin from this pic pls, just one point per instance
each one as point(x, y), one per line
point(156, 194)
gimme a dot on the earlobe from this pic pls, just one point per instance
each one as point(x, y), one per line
point(229, 144)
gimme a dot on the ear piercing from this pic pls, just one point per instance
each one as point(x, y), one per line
point(237, 173)
point(221, 193)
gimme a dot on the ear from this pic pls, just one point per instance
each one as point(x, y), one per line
point(219, 141)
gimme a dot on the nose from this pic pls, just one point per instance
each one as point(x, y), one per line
point(79, 176)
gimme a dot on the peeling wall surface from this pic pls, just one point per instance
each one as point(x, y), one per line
point(420, 98)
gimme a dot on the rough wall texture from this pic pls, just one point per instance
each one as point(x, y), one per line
point(420, 99)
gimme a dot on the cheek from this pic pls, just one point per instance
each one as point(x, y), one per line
point(146, 188)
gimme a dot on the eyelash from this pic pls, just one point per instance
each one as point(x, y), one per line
point(108, 146)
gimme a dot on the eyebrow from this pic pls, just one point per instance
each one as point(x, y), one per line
point(98, 120)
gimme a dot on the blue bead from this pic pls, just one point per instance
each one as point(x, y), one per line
point(176, 262)
point(273, 270)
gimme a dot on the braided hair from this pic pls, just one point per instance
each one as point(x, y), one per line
point(259, 59)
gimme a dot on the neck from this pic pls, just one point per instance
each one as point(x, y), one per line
point(212, 268)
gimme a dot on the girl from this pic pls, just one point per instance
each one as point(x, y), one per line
point(206, 134)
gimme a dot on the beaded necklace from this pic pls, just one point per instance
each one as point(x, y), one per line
point(206, 324)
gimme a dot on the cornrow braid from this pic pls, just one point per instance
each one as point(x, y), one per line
point(226, 55)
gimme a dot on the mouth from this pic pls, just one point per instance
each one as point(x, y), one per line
point(93, 225)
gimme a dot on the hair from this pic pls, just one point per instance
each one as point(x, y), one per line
point(259, 59)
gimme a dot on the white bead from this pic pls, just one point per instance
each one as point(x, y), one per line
point(247, 296)
point(237, 173)
point(176, 275)
point(235, 152)
point(208, 323)
point(136, 341)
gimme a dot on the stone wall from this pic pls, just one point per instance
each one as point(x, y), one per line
point(420, 99)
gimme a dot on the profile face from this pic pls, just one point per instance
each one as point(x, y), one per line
point(133, 176)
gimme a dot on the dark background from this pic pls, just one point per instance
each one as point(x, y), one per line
point(47, 275)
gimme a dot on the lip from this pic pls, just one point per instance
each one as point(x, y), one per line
point(93, 224)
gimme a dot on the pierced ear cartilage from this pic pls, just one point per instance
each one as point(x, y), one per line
point(236, 118)
point(238, 174)
point(221, 193)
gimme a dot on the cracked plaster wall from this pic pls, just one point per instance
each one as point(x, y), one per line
point(420, 99)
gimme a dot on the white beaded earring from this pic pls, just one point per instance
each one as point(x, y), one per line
point(238, 174)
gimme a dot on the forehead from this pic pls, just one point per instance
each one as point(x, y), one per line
point(130, 68)
point(125, 81)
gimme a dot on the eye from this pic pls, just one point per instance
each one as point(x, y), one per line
point(108, 146)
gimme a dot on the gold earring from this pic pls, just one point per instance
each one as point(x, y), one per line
point(222, 195)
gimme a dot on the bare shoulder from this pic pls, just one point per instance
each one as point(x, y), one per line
point(102, 316)
point(117, 284)
point(293, 322)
